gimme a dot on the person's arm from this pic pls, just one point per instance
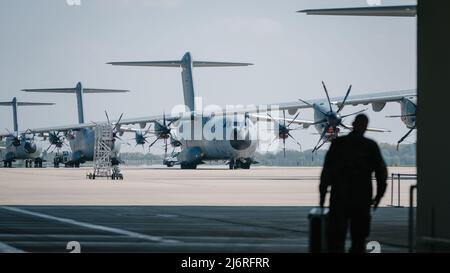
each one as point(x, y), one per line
point(325, 177)
point(381, 175)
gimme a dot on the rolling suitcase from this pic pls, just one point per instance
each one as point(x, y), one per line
point(318, 224)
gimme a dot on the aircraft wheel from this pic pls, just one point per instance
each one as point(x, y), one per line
point(188, 166)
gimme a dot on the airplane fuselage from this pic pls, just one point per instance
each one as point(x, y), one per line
point(226, 140)
point(82, 144)
point(25, 150)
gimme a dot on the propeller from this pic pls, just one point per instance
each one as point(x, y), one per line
point(15, 141)
point(284, 131)
point(332, 120)
point(116, 127)
point(162, 131)
point(55, 139)
point(141, 137)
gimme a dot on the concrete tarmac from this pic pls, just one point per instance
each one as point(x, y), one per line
point(169, 210)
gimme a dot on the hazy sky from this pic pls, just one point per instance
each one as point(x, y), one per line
point(48, 43)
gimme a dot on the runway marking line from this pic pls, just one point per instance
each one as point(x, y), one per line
point(5, 248)
point(92, 226)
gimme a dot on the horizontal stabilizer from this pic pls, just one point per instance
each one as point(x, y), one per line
point(157, 63)
point(218, 64)
point(73, 90)
point(93, 90)
point(400, 11)
point(34, 103)
point(9, 103)
point(53, 90)
point(179, 64)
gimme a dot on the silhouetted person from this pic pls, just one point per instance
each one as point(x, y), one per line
point(348, 168)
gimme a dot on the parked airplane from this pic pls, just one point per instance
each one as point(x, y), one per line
point(21, 146)
point(233, 136)
point(81, 138)
point(235, 142)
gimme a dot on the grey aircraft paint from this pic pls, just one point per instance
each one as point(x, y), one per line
point(82, 141)
point(21, 146)
point(239, 152)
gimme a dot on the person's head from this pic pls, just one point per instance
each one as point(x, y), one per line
point(360, 124)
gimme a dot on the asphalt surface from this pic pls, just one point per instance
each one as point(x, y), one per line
point(172, 210)
point(175, 229)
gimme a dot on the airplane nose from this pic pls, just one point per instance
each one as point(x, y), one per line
point(30, 147)
point(240, 139)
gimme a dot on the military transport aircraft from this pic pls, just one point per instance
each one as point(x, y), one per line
point(81, 137)
point(21, 146)
point(225, 135)
point(232, 139)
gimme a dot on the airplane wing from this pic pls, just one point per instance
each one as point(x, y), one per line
point(397, 11)
point(378, 100)
point(65, 128)
point(304, 123)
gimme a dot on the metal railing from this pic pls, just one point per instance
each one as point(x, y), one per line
point(411, 220)
point(399, 177)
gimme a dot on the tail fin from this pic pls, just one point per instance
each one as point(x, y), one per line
point(186, 64)
point(78, 90)
point(14, 103)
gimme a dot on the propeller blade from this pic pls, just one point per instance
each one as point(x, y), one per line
point(48, 148)
point(320, 146)
point(298, 143)
point(284, 118)
point(296, 116)
point(165, 148)
point(345, 99)
point(153, 143)
point(312, 106)
point(356, 113)
point(118, 122)
point(346, 127)
point(328, 96)
point(107, 117)
point(164, 119)
point(284, 147)
point(404, 137)
point(402, 116)
point(321, 138)
point(148, 130)
point(319, 122)
point(305, 102)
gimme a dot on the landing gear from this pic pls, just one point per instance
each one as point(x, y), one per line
point(185, 166)
point(37, 163)
point(232, 164)
point(117, 176)
point(7, 164)
point(56, 163)
point(240, 164)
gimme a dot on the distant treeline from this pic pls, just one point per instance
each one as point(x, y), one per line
point(405, 156)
